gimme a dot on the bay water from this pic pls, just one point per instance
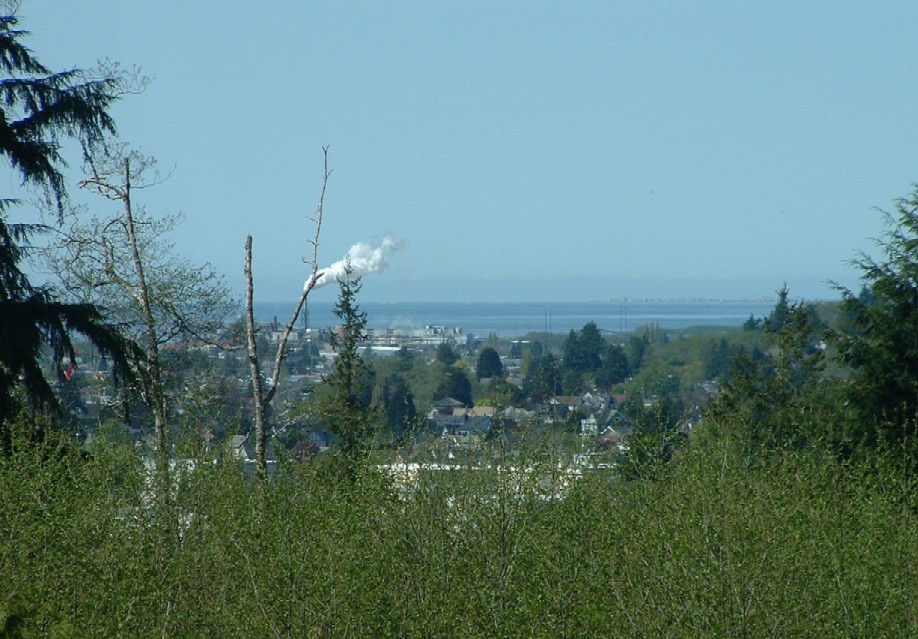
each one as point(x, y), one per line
point(519, 318)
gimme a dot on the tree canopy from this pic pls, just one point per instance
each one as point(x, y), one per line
point(399, 406)
point(347, 410)
point(447, 354)
point(583, 349)
point(489, 364)
point(38, 109)
point(879, 338)
point(456, 384)
point(41, 107)
point(614, 368)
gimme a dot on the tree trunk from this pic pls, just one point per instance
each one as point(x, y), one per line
point(154, 369)
point(257, 391)
point(260, 396)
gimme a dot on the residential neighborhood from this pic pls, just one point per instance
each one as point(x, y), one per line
point(424, 378)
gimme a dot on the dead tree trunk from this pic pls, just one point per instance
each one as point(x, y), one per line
point(257, 391)
point(261, 396)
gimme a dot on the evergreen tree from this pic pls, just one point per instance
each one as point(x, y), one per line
point(544, 379)
point(489, 364)
point(348, 407)
point(38, 109)
point(717, 357)
point(636, 350)
point(779, 316)
point(770, 398)
point(614, 368)
point(879, 337)
point(405, 359)
point(398, 401)
point(752, 323)
point(591, 347)
point(456, 384)
point(582, 351)
point(447, 354)
point(571, 351)
point(537, 349)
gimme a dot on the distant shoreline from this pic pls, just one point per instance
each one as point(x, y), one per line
point(507, 319)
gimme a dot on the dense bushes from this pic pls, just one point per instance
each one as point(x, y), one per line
point(720, 543)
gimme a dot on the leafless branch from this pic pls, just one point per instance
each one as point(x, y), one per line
point(308, 285)
point(262, 398)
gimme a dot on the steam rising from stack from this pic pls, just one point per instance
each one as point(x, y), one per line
point(362, 257)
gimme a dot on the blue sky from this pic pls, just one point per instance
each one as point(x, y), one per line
point(519, 151)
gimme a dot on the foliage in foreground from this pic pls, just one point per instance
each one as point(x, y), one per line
point(719, 544)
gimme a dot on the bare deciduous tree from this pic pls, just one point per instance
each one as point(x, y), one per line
point(123, 263)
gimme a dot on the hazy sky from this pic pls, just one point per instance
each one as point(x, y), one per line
point(520, 151)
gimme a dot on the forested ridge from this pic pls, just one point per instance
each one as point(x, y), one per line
point(764, 484)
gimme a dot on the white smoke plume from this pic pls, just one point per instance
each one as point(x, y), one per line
point(363, 259)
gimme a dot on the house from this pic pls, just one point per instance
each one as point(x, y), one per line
point(569, 402)
point(619, 421)
point(236, 445)
point(514, 414)
point(611, 439)
point(243, 447)
point(303, 450)
point(446, 405)
point(589, 427)
point(476, 411)
point(595, 402)
point(450, 418)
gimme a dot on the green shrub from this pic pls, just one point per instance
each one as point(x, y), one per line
point(719, 543)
